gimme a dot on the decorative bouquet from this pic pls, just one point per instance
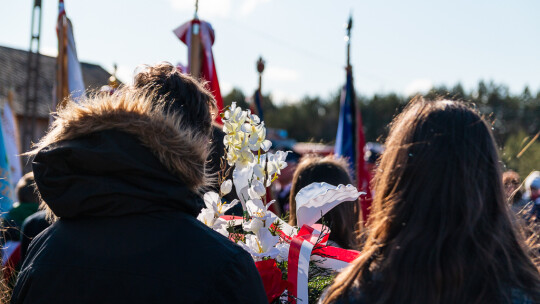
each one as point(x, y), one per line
point(273, 244)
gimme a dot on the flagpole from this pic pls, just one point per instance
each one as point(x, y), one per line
point(258, 93)
point(348, 69)
point(62, 90)
point(362, 176)
point(348, 39)
point(195, 64)
point(260, 69)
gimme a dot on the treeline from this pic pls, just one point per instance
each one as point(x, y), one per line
point(515, 117)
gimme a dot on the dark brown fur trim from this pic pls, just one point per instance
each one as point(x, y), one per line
point(183, 150)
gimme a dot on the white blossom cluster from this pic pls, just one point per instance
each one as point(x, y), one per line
point(254, 170)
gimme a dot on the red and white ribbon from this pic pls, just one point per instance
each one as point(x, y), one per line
point(310, 245)
point(298, 269)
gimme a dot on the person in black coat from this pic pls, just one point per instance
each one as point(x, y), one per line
point(32, 226)
point(123, 174)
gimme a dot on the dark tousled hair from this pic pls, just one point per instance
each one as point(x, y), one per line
point(342, 219)
point(440, 230)
point(183, 93)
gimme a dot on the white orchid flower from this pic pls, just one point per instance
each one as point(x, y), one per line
point(256, 208)
point(258, 171)
point(230, 128)
point(261, 246)
point(257, 189)
point(260, 216)
point(230, 142)
point(223, 207)
point(234, 136)
point(211, 199)
point(259, 168)
point(226, 187)
point(247, 128)
point(237, 116)
point(254, 225)
point(254, 119)
point(207, 216)
point(227, 114)
point(232, 157)
point(257, 138)
point(213, 202)
point(245, 157)
point(233, 121)
point(233, 126)
point(276, 162)
point(222, 228)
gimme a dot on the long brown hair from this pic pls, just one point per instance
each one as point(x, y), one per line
point(440, 230)
point(342, 219)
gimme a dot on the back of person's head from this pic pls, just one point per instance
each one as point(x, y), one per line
point(342, 219)
point(511, 183)
point(183, 93)
point(440, 230)
point(26, 189)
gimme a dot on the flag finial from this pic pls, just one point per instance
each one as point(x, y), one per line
point(348, 40)
point(349, 24)
point(196, 9)
point(260, 69)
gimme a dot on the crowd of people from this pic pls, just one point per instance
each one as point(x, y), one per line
point(120, 179)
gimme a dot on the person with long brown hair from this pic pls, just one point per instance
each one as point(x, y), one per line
point(440, 230)
point(342, 219)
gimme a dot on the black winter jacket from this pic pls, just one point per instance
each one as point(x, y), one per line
point(127, 229)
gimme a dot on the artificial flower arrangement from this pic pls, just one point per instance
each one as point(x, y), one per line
point(279, 250)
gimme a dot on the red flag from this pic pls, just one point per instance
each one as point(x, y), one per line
point(208, 68)
point(362, 174)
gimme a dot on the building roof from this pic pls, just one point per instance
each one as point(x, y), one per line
point(13, 74)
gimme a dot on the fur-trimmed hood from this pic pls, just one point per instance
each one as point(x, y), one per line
point(182, 150)
point(125, 137)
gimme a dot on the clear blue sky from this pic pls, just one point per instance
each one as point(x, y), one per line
point(397, 46)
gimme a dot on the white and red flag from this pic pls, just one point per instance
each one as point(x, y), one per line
point(199, 37)
point(69, 80)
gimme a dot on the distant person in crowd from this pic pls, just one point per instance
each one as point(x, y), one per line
point(511, 183)
point(372, 153)
point(123, 174)
point(27, 204)
point(513, 195)
point(31, 227)
point(343, 220)
point(440, 230)
point(532, 195)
